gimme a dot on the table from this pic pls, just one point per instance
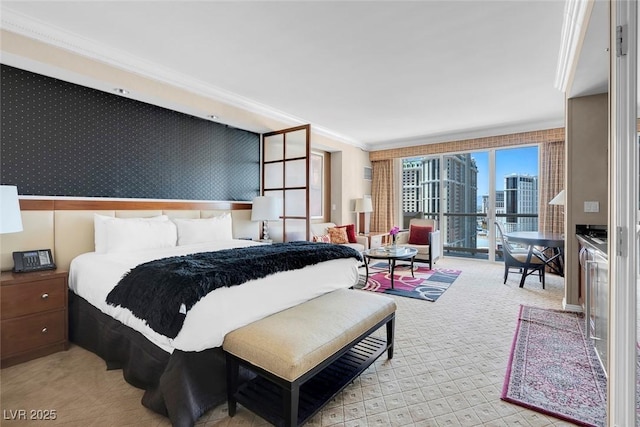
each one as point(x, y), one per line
point(552, 241)
point(376, 238)
point(391, 254)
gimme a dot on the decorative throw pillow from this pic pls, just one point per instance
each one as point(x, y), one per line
point(322, 239)
point(351, 232)
point(338, 235)
point(419, 235)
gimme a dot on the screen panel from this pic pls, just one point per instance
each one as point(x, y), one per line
point(295, 173)
point(293, 160)
point(273, 147)
point(296, 144)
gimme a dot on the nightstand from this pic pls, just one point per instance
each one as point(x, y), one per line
point(33, 313)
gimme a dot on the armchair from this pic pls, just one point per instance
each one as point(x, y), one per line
point(425, 241)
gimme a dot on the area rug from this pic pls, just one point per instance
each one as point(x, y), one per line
point(553, 368)
point(427, 285)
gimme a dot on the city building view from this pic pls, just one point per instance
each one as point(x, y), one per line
point(463, 211)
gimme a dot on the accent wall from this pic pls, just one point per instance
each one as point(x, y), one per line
point(62, 139)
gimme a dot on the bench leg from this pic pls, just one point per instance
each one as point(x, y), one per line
point(233, 370)
point(390, 330)
point(291, 398)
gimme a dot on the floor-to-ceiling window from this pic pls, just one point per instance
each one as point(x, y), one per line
point(467, 192)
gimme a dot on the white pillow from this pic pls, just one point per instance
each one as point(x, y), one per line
point(100, 232)
point(129, 234)
point(204, 230)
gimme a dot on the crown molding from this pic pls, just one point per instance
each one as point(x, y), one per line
point(468, 134)
point(576, 20)
point(38, 30)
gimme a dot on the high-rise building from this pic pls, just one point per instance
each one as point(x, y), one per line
point(499, 207)
point(420, 189)
point(499, 203)
point(460, 196)
point(521, 197)
point(411, 186)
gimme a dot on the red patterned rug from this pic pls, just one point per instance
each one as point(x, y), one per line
point(553, 368)
point(427, 285)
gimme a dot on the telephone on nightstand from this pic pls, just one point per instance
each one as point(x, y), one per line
point(40, 259)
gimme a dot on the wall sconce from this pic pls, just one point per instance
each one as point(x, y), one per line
point(364, 207)
point(265, 209)
point(10, 219)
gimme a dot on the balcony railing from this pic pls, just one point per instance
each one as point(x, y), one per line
point(466, 234)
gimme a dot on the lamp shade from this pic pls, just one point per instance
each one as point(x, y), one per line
point(10, 219)
point(558, 200)
point(364, 205)
point(265, 208)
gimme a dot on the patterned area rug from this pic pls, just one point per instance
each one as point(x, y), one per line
point(427, 285)
point(553, 369)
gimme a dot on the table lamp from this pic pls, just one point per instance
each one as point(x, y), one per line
point(559, 199)
point(364, 207)
point(10, 219)
point(265, 209)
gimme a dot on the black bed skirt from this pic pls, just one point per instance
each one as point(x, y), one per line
point(181, 386)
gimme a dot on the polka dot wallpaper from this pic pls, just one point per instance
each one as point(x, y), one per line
point(62, 139)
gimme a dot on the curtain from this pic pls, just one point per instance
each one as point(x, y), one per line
point(382, 194)
point(551, 217)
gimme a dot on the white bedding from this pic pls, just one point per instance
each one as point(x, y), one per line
point(93, 275)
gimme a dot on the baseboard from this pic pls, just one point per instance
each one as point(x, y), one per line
point(571, 307)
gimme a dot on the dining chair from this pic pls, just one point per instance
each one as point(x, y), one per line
point(527, 261)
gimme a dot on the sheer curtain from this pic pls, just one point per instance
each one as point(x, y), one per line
point(551, 219)
point(382, 194)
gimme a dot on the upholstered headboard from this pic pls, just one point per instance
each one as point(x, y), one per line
point(66, 225)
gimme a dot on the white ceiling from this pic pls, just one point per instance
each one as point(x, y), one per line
point(375, 74)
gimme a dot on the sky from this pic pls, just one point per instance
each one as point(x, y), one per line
point(523, 160)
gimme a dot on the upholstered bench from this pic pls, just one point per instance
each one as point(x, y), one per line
point(304, 356)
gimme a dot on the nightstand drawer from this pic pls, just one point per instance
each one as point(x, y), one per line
point(26, 298)
point(30, 332)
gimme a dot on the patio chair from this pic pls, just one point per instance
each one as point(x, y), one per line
point(527, 261)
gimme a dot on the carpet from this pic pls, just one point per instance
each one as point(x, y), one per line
point(553, 368)
point(427, 285)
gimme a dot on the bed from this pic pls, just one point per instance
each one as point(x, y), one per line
point(183, 376)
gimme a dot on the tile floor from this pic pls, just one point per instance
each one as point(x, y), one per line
point(448, 368)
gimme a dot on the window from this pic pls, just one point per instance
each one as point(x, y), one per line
point(469, 192)
point(316, 179)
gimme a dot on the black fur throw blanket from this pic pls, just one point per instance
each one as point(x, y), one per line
point(162, 291)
